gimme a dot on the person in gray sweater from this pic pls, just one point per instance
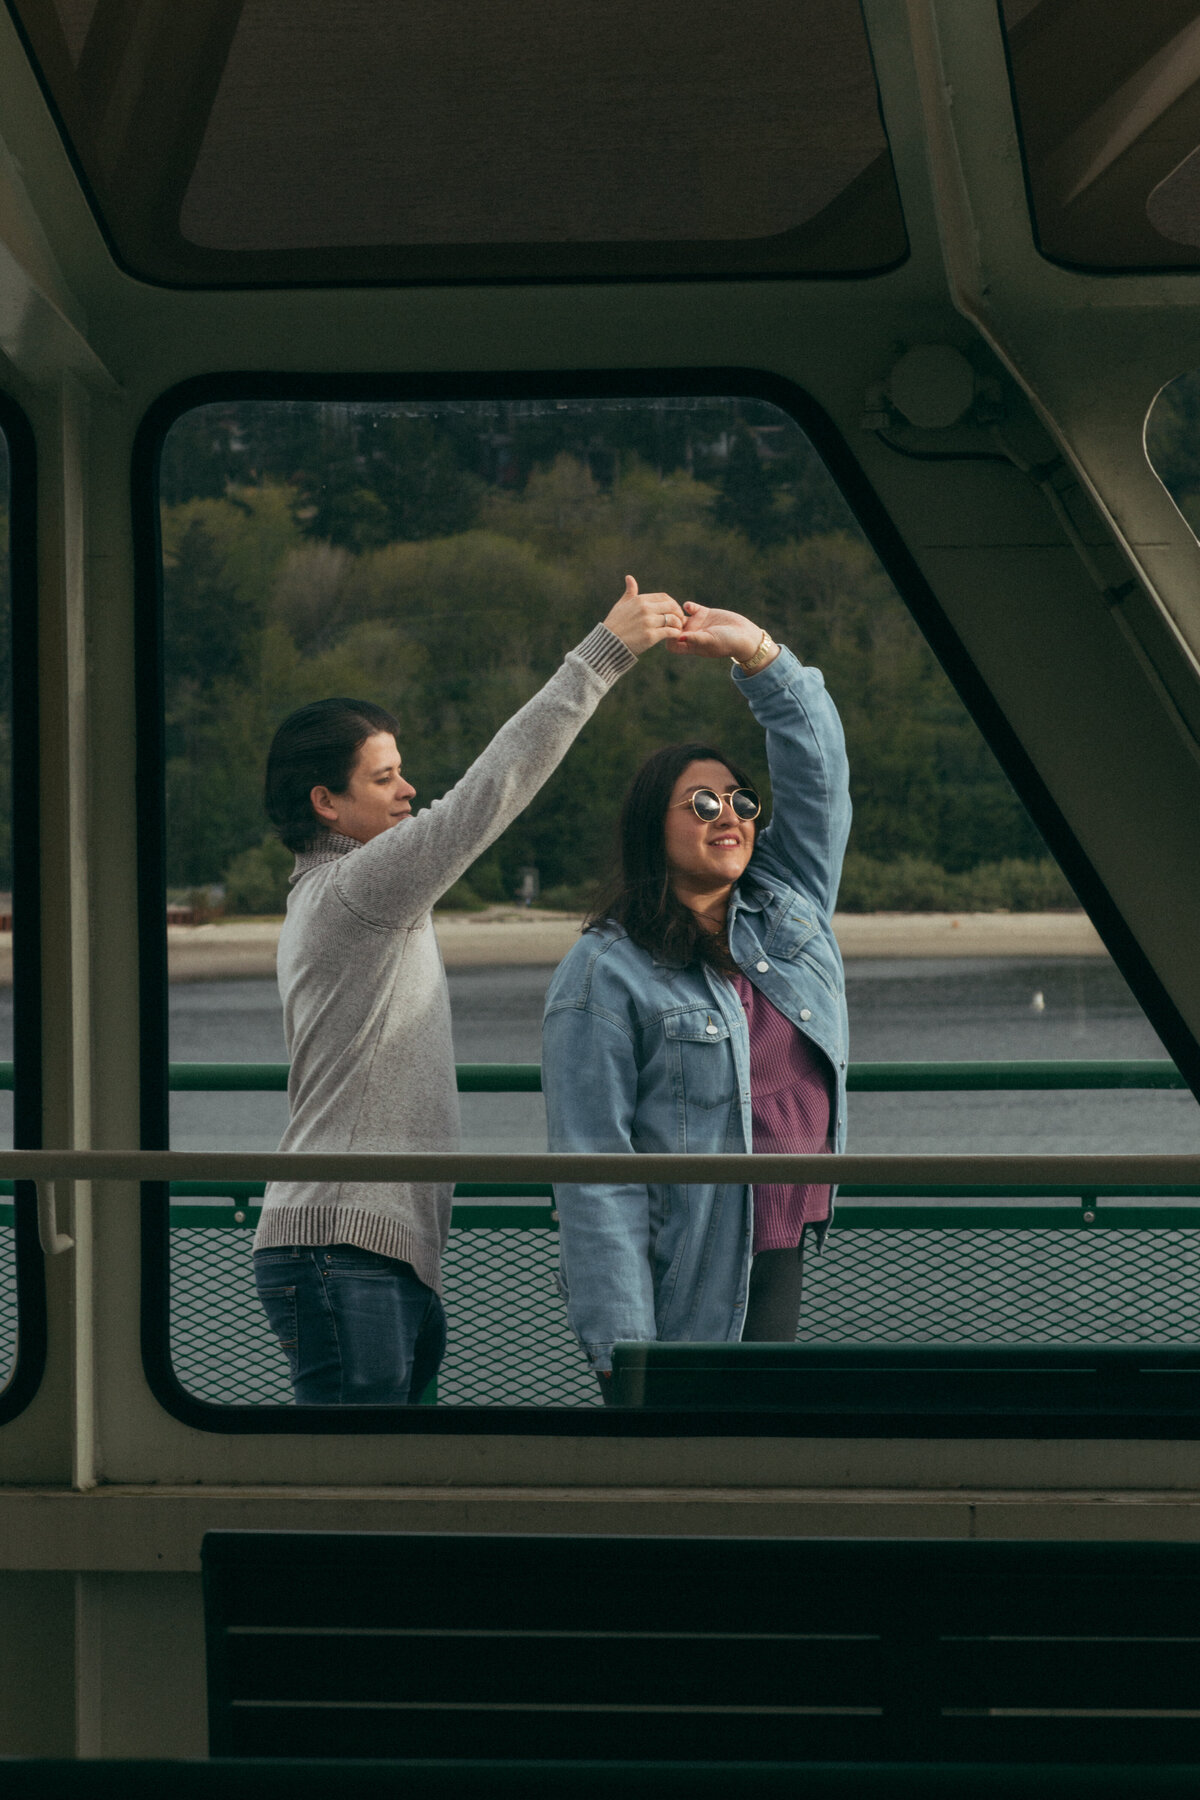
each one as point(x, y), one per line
point(350, 1274)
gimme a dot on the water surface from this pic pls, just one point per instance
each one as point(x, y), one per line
point(903, 1010)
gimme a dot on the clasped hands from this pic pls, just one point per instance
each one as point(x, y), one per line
point(643, 620)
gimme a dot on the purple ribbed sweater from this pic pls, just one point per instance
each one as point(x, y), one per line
point(789, 1108)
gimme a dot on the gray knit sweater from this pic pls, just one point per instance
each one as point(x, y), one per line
point(366, 1012)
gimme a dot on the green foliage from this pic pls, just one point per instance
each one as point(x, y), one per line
point(746, 497)
point(388, 477)
point(461, 898)
point(449, 599)
point(256, 881)
point(569, 897)
point(486, 878)
point(916, 884)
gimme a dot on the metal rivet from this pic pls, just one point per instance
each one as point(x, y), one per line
point(1089, 1218)
point(239, 1218)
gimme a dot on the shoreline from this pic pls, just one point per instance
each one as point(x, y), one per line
point(244, 949)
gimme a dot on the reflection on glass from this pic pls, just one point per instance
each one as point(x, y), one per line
point(438, 560)
point(1110, 136)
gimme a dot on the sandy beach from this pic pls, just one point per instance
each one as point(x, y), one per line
point(243, 948)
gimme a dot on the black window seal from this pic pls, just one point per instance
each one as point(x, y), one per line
point(914, 590)
point(30, 1363)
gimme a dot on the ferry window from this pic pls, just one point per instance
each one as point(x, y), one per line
point(1110, 138)
point(8, 1269)
point(437, 557)
point(1173, 444)
point(21, 1292)
point(291, 141)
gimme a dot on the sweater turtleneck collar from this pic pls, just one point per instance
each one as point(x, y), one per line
point(330, 847)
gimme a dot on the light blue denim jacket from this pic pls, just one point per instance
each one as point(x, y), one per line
point(640, 1056)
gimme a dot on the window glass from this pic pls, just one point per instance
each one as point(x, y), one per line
point(8, 1274)
point(439, 558)
point(1173, 444)
point(1111, 138)
point(277, 142)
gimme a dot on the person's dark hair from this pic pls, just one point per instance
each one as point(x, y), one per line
point(316, 746)
point(643, 900)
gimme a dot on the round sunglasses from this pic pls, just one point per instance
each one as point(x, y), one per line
point(708, 805)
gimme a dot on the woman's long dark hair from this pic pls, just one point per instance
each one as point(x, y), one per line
point(316, 746)
point(643, 900)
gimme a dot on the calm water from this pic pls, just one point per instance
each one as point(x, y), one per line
point(956, 1010)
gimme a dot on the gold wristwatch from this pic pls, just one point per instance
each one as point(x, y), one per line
point(755, 662)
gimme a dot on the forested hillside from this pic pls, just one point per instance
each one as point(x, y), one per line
point(441, 563)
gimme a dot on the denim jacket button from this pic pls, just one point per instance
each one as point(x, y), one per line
point(762, 967)
point(712, 1031)
point(805, 1013)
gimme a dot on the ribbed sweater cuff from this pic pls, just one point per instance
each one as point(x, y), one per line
point(604, 652)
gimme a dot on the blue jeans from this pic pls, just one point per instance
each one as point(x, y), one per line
point(357, 1329)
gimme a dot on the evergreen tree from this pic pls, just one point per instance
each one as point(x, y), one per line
point(746, 496)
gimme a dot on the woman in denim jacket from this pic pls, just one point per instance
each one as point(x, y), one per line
point(703, 1010)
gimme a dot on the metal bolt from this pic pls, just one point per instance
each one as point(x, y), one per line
point(1089, 1218)
point(239, 1218)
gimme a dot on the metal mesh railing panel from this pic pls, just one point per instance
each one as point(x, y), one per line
point(508, 1340)
point(941, 1285)
point(8, 1302)
point(221, 1345)
point(509, 1343)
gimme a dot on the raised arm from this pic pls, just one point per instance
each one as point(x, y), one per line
point(396, 877)
point(805, 842)
point(589, 1074)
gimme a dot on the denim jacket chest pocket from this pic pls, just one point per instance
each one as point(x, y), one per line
point(700, 1058)
point(800, 941)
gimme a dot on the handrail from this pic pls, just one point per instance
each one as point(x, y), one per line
point(885, 1171)
point(52, 1240)
point(502, 1174)
point(862, 1078)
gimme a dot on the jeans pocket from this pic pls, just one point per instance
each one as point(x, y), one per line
point(350, 1260)
point(284, 1257)
point(279, 1304)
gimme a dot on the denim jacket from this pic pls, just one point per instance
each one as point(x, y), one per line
point(641, 1056)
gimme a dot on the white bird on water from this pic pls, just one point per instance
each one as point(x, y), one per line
point(1038, 1003)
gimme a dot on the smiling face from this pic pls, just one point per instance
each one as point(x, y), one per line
point(705, 858)
point(376, 797)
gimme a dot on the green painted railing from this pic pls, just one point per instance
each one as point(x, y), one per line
point(864, 1078)
point(1091, 1208)
point(861, 1078)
